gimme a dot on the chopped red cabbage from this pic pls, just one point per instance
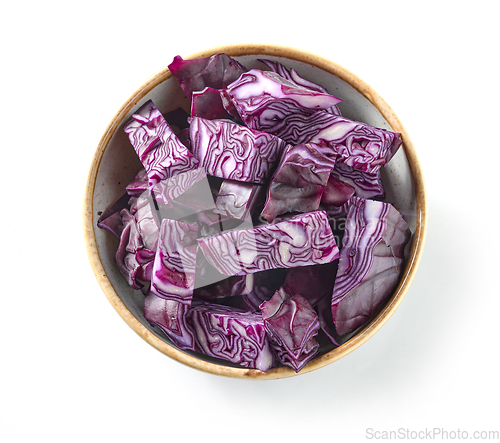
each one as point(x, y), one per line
point(370, 262)
point(262, 98)
point(336, 192)
point(220, 274)
point(312, 282)
point(139, 184)
point(264, 285)
point(228, 150)
point(171, 317)
point(147, 225)
point(129, 259)
point(302, 240)
point(111, 219)
point(327, 328)
point(291, 324)
point(226, 287)
point(175, 261)
point(208, 104)
point(365, 184)
point(292, 75)
point(158, 148)
point(282, 199)
point(231, 334)
point(168, 190)
point(238, 199)
point(298, 182)
point(356, 144)
point(216, 72)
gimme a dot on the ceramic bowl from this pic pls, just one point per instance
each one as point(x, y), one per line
point(115, 164)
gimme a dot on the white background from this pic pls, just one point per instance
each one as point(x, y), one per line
point(72, 371)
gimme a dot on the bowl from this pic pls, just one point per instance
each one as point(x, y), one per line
point(115, 164)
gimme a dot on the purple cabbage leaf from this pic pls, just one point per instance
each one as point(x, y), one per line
point(302, 240)
point(311, 282)
point(262, 287)
point(365, 184)
point(226, 287)
point(132, 257)
point(147, 224)
point(292, 75)
point(158, 148)
point(177, 119)
point(327, 328)
point(298, 182)
point(238, 199)
point(264, 98)
point(171, 317)
point(175, 261)
point(185, 195)
point(336, 192)
point(111, 219)
point(291, 325)
point(231, 334)
point(139, 231)
point(228, 150)
point(356, 144)
point(216, 72)
point(370, 262)
point(209, 104)
point(139, 184)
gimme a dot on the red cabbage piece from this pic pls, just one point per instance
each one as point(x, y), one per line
point(311, 282)
point(139, 233)
point(216, 72)
point(210, 284)
point(147, 224)
point(298, 182)
point(324, 309)
point(183, 137)
point(263, 98)
point(226, 287)
point(238, 199)
point(139, 184)
point(336, 192)
point(212, 223)
point(263, 286)
point(148, 228)
point(130, 241)
point(365, 184)
point(370, 262)
point(111, 219)
point(357, 144)
point(231, 334)
point(228, 150)
point(132, 257)
point(305, 165)
point(282, 199)
point(171, 317)
point(158, 148)
point(184, 194)
point(291, 325)
point(112, 223)
point(175, 261)
point(177, 118)
point(302, 240)
point(208, 104)
point(292, 75)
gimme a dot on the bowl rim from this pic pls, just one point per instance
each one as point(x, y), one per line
point(361, 337)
